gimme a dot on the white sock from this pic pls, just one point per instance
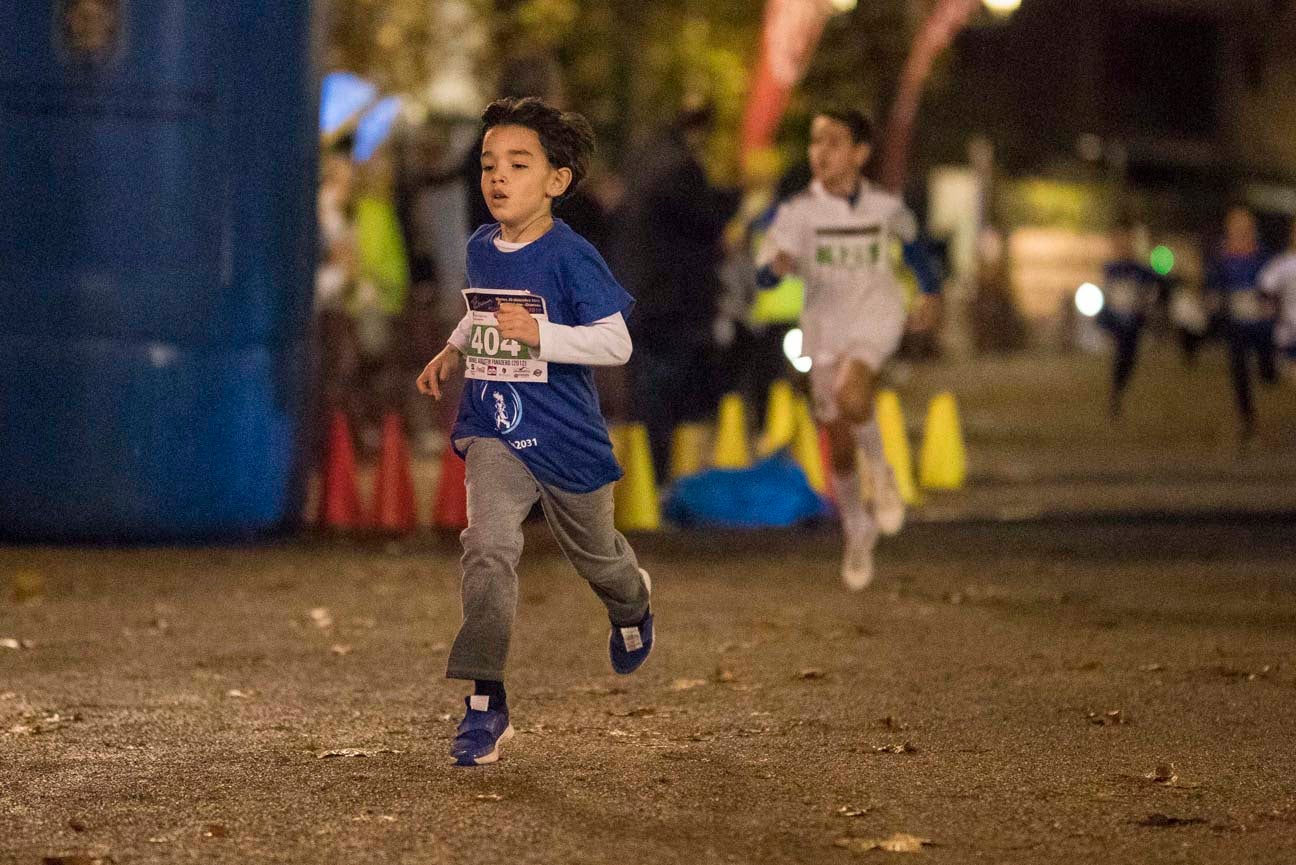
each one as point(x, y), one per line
point(868, 438)
point(850, 503)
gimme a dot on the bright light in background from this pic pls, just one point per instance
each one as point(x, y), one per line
point(1089, 299)
point(1162, 260)
point(1002, 7)
point(792, 348)
point(844, 5)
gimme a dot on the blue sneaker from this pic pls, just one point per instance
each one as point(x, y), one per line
point(629, 647)
point(480, 733)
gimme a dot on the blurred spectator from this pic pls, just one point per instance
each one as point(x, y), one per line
point(761, 318)
point(335, 276)
point(1278, 282)
point(378, 301)
point(666, 250)
point(1188, 316)
point(1231, 280)
point(434, 204)
point(997, 325)
point(1130, 289)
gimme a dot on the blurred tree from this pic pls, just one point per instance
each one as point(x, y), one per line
point(629, 65)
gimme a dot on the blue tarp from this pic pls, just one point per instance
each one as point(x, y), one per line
point(772, 493)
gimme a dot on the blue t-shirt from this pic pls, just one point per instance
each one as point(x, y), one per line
point(1129, 289)
point(1228, 272)
point(556, 427)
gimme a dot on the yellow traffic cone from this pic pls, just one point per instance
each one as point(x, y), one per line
point(805, 447)
point(688, 450)
point(635, 505)
point(731, 435)
point(780, 420)
point(942, 464)
point(895, 444)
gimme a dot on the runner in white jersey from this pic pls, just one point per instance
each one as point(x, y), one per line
point(838, 235)
point(1278, 283)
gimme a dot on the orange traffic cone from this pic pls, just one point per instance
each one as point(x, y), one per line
point(339, 504)
point(393, 508)
point(450, 509)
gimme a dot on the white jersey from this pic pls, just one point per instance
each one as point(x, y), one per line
point(854, 303)
point(1278, 280)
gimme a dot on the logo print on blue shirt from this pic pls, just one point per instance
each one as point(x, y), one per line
point(503, 404)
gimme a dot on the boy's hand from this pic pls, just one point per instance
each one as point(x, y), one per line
point(783, 264)
point(516, 323)
point(925, 313)
point(437, 371)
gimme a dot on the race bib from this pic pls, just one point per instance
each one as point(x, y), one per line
point(1123, 297)
point(490, 357)
point(1245, 305)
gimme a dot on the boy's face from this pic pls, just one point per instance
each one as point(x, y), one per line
point(1240, 230)
point(835, 158)
point(1123, 243)
point(517, 179)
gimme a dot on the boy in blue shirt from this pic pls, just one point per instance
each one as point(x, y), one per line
point(529, 425)
point(1232, 281)
point(1129, 291)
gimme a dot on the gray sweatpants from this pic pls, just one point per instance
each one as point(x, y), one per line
point(501, 491)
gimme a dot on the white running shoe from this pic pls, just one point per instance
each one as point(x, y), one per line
point(857, 556)
point(888, 506)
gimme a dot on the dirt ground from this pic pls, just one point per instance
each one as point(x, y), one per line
point(1072, 691)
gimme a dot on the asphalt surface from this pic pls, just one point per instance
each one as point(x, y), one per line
point(1050, 692)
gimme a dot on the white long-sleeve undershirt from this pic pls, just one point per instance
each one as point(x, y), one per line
point(605, 342)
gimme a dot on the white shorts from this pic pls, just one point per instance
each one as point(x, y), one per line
point(873, 350)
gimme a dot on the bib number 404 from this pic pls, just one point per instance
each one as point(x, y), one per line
point(486, 341)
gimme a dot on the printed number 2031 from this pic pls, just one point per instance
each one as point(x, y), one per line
point(521, 444)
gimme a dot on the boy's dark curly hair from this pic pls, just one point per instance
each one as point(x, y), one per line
point(861, 128)
point(567, 137)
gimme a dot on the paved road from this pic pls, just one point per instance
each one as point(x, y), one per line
point(1006, 691)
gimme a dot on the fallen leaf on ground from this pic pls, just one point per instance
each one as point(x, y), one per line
point(1111, 717)
point(236, 694)
point(852, 811)
point(603, 690)
point(47, 723)
point(687, 684)
point(15, 643)
point(321, 617)
point(900, 842)
point(902, 748)
point(1151, 668)
point(1158, 820)
point(1164, 773)
point(636, 712)
point(811, 673)
point(341, 649)
point(356, 752)
point(489, 797)
point(1246, 675)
